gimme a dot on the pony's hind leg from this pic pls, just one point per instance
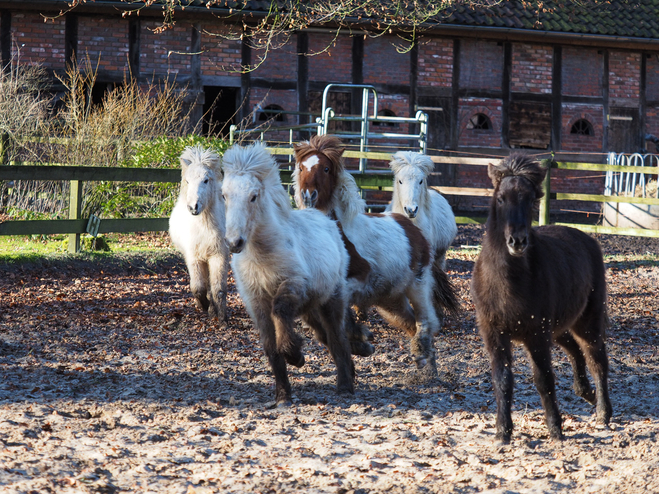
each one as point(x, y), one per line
point(199, 283)
point(543, 377)
point(358, 336)
point(277, 362)
point(285, 308)
point(591, 342)
point(581, 386)
point(218, 272)
point(332, 314)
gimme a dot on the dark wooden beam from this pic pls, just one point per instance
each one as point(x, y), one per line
point(414, 78)
point(505, 88)
point(5, 37)
point(134, 37)
point(70, 38)
point(245, 79)
point(357, 72)
point(605, 97)
point(642, 108)
point(454, 118)
point(557, 102)
point(302, 74)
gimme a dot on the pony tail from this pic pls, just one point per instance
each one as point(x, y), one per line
point(444, 292)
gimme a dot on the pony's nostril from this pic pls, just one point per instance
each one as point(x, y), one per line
point(314, 195)
point(237, 245)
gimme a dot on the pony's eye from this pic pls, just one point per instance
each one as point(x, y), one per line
point(327, 169)
point(420, 182)
point(499, 200)
point(206, 181)
point(400, 182)
point(224, 198)
point(253, 199)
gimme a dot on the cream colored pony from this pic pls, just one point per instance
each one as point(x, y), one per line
point(286, 264)
point(196, 227)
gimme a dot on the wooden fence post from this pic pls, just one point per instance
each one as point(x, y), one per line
point(75, 204)
point(546, 188)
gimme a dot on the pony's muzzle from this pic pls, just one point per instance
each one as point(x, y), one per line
point(517, 243)
point(194, 210)
point(410, 211)
point(309, 199)
point(236, 245)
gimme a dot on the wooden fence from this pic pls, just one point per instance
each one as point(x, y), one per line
point(374, 180)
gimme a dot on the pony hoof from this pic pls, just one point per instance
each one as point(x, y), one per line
point(296, 360)
point(502, 439)
point(588, 395)
point(345, 389)
point(362, 349)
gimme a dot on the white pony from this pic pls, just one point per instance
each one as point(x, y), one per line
point(196, 227)
point(390, 258)
point(286, 264)
point(427, 208)
point(429, 211)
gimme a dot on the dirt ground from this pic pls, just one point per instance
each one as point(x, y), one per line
point(112, 382)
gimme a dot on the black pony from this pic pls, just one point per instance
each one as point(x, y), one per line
point(535, 286)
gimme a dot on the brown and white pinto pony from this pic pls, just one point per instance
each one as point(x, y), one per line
point(390, 263)
point(536, 286)
point(428, 210)
point(286, 264)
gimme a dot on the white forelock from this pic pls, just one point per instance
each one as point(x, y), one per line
point(420, 161)
point(198, 154)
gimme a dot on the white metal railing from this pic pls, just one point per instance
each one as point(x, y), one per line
point(625, 183)
point(328, 115)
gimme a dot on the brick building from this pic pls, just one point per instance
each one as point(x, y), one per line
point(563, 77)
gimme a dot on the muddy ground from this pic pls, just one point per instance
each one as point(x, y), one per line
point(110, 381)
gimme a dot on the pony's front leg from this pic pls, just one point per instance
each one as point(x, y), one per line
point(218, 267)
point(498, 347)
point(285, 308)
point(543, 377)
point(199, 283)
point(266, 327)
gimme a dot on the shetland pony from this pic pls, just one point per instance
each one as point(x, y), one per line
point(196, 227)
point(390, 261)
point(286, 264)
point(427, 209)
point(535, 286)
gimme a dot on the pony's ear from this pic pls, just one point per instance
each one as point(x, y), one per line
point(495, 173)
point(184, 162)
point(541, 174)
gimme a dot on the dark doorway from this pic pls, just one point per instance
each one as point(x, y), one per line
point(623, 133)
point(439, 125)
point(219, 110)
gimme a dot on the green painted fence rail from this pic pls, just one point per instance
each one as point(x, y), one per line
point(380, 179)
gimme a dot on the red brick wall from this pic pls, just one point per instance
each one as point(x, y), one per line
point(383, 64)
point(582, 71)
point(580, 143)
point(480, 138)
point(36, 41)
point(435, 65)
point(532, 69)
point(481, 64)
point(220, 56)
point(330, 59)
point(400, 105)
point(624, 75)
point(105, 41)
point(280, 62)
point(166, 52)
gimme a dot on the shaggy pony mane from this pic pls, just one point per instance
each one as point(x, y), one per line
point(409, 158)
point(519, 165)
point(327, 145)
point(255, 160)
point(199, 154)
